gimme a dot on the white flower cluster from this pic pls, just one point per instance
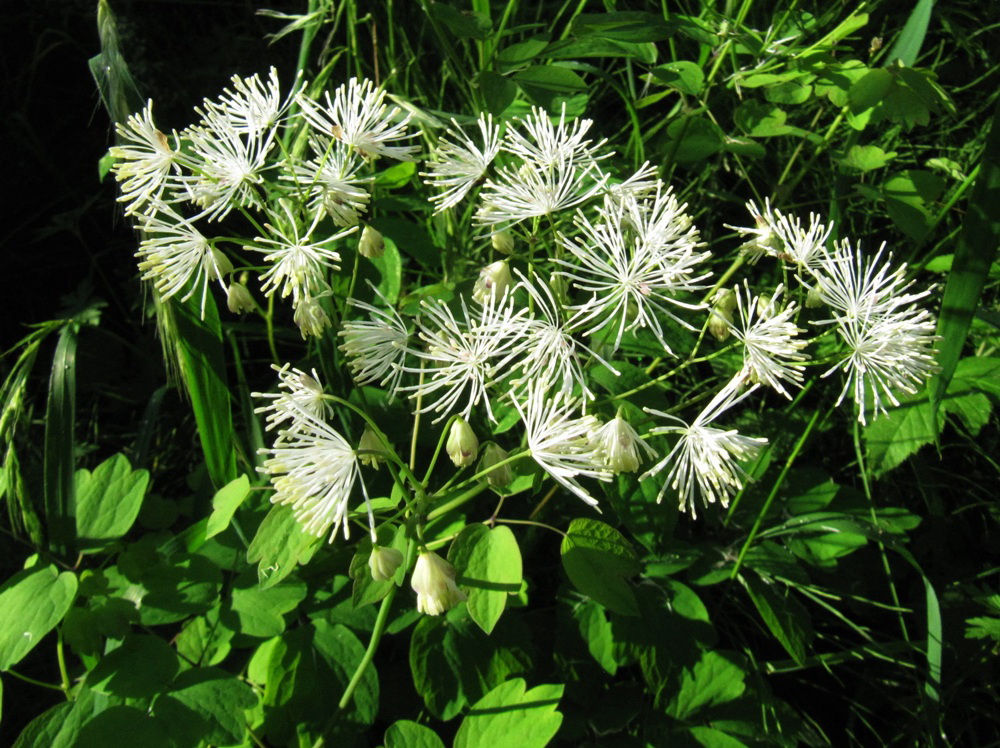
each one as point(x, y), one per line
point(233, 160)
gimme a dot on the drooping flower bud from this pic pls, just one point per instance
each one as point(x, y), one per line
point(720, 323)
point(619, 445)
point(494, 455)
point(371, 244)
point(217, 265)
point(462, 445)
point(434, 582)
point(494, 279)
point(370, 449)
point(814, 299)
point(383, 562)
point(238, 298)
point(503, 242)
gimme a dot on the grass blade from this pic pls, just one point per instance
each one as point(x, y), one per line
point(911, 38)
point(60, 412)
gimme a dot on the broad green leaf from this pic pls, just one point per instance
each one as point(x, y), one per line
point(510, 716)
point(498, 92)
point(463, 24)
point(395, 177)
point(123, 724)
point(488, 562)
point(808, 490)
point(909, 198)
point(866, 157)
point(598, 560)
point(625, 26)
point(140, 668)
point(343, 653)
point(595, 46)
point(32, 603)
point(411, 239)
point(389, 268)
point(715, 679)
point(108, 501)
point(225, 503)
point(974, 254)
point(58, 462)
point(179, 587)
point(406, 734)
point(982, 627)
point(597, 632)
point(59, 726)
point(783, 615)
point(823, 537)
point(869, 90)
point(793, 93)
point(893, 437)
point(279, 546)
point(757, 80)
point(685, 76)
point(760, 120)
point(693, 139)
point(710, 737)
point(199, 350)
point(205, 639)
point(259, 611)
point(206, 704)
point(545, 84)
point(454, 663)
point(906, 48)
point(522, 52)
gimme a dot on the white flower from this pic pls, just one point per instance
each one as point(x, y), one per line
point(620, 446)
point(252, 106)
point(358, 116)
point(549, 351)
point(771, 350)
point(433, 580)
point(146, 161)
point(309, 316)
point(560, 442)
point(228, 165)
point(299, 399)
point(462, 352)
point(313, 469)
point(634, 262)
point(239, 299)
point(705, 459)
point(887, 352)
point(332, 181)
point(299, 264)
point(529, 191)
point(174, 255)
point(547, 145)
point(377, 346)
point(783, 236)
point(458, 166)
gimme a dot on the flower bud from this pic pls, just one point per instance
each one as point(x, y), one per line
point(371, 451)
point(764, 307)
point(371, 245)
point(383, 562)
point(619, 445)
point(494, 279)
point(503, 242)
point(434, 582)
point(493, 455)
point(814, 298)
point(462, 445)
point(238, 298)
point(722, 314)
point(310, 317)
point(217, 265)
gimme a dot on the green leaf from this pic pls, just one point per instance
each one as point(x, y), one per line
point(783, 615)
point(693, 138)
point(140, 668)
point(598, 633)
point(58, 462)
point(625, 26)
point(892, 438)
point(406, 734)
point(203, 369)
point(687, 77)
point(225, 503)
point(866, 157)
point(983, 627)
point(907, 45)
point(206, 705)
point(108, 501)
point(546, 85)
point(454, 663)
point(411, 239)
point(279, 546)
point(259, 611)
point(710, 737)
point(118, 724)
point(595, 46)
point(390, 269)
point(869, 90)
point(343, 653)
point(598, 560)
point(178, 588)
point(974, 254)
point(522, 52)
point(909, 198)
point(498, 92)
point(715, 679)
point(32, 603)
point(510, 716)
point(465, 24)
point(488, 562)
point(760, 120)
point(205, 640)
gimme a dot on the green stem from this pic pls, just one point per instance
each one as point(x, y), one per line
point(457, 501)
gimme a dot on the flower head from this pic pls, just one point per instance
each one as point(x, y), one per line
point(458, 164)
point(433, 580)
point(299, 400)
point(620, 446)
point(376, 347)
point(147, 162)
point(705, 459)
